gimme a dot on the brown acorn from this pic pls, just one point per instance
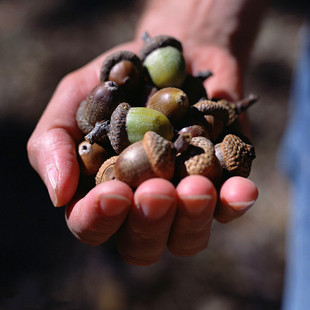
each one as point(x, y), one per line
point(170, 101)
point(151, 157)
point(98, 106)
point(91, 156)
point(235, 156)
point(124, 68)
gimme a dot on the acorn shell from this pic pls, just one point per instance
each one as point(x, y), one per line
point(235, 155)
point(199, 159)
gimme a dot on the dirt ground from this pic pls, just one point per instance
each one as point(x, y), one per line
point(42, 265)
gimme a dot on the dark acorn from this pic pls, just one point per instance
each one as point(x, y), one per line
point(98, 106)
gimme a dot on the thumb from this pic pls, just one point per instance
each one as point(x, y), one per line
point(53, 156)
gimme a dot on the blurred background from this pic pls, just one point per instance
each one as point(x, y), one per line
point(42, 266)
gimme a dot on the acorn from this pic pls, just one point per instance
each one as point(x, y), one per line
point(98, 106)
point(199, 159)
point(106, 170)
point(235, 156)
point(154, 156)
point(129, 124)
point(124, 68)
point(170, 101)
point(164, 61)
point(91, 156)
point(195, 130)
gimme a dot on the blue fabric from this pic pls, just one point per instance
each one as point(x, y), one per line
point(295, 160)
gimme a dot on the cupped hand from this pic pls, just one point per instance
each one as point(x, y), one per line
point(157, 214)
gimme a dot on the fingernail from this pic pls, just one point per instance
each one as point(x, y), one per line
point(113, 205)
point(241, 206)
point(154, 206)
point(196, 204)
point(52, 182)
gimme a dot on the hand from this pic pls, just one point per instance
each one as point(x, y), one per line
point(157, 214)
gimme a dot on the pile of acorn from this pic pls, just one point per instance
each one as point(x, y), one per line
point(148, 117)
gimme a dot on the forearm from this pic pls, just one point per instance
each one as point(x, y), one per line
point(229, 24)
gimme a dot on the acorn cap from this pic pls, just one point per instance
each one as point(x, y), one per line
point(157, 42)
point(161, 154)
point(105, 172)
point(235, 155)
point(117, 131)
point(200, 159)
point(231, 109)
point(111, 60)
point(209, 107)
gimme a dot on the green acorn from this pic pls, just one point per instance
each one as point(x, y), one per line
point(129, 124)
point(164, 61)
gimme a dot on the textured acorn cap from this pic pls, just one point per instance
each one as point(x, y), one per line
point(105, 172)
point(157, 42)
point(161, 154)
point(199, 159)
point(117, 133)
point(111, 60)
point(235, 155)
point(209, 107)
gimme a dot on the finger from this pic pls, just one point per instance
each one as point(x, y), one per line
point(191, 227)
point(143, 238)
point(237, 195)
point(53, 155)
point(97, 216)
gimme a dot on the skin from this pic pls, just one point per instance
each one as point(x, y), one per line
point(157, 215)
